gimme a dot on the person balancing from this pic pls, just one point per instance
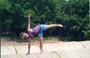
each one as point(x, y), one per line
point(38, 30)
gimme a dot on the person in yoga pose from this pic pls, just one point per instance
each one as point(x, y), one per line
point(37, 30)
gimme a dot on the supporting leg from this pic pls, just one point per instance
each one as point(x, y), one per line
point(41, 44)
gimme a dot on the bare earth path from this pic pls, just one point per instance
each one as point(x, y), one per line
point(52, 49)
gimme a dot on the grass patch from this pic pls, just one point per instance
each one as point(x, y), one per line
point(18, 39)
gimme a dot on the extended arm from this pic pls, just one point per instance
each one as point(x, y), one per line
point(29, 21)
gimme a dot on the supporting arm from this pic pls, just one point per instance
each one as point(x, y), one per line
point(29, 46)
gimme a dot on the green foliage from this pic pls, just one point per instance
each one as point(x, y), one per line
point(73, 14)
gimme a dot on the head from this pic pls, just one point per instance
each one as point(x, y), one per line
point(23, 35)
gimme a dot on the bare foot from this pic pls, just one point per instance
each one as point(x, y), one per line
point(59, 25)
point(41, 51)
point(28, 54)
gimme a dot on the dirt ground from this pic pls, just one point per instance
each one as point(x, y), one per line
point(14, 43)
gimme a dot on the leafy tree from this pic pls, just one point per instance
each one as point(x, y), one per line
point(73, 14)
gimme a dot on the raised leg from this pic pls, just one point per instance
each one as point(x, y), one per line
point(54, 25)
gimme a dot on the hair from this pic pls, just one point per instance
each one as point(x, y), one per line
point(22, 34)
